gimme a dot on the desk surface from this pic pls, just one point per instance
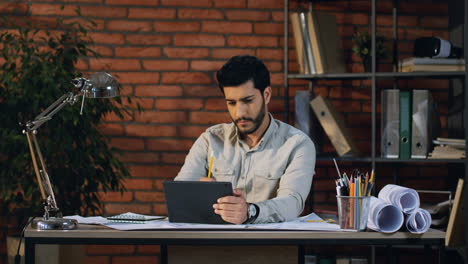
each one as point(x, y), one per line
point(101, 232)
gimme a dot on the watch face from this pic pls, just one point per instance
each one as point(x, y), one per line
point(252, 210)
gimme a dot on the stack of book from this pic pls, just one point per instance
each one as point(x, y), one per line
point(318, 45)
point(448, 148)
point(415, 64)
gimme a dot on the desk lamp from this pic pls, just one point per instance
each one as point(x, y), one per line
point(99, 85)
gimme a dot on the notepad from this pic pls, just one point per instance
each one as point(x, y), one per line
point(133, 218)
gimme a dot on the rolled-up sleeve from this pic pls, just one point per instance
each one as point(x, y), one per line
point(294, 186)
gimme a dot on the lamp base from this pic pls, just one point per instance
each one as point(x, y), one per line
point(54, 223)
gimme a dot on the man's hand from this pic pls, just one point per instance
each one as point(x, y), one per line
point(232, 209)
point(206, 179)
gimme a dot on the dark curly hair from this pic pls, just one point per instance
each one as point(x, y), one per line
point(242, 68)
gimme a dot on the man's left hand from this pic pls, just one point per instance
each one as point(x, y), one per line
point(232, 209)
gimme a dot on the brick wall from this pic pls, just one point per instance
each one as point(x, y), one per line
point(165, 52)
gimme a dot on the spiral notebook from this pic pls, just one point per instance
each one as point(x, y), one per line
point(133, 218)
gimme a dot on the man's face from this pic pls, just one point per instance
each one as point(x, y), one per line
point(247, 106)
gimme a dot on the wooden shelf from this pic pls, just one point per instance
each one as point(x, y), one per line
point(368, 75)
point(384, 160)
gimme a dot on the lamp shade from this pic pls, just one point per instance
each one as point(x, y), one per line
point(102, 85)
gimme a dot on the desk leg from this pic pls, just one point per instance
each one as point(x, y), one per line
point(29, 252)
point(163, 253)
point(300, 254)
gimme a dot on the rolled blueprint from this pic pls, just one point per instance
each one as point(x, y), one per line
point(419, 221)
point(384, 217)
point(404, 198)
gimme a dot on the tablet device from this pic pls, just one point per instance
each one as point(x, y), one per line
point(192, 201)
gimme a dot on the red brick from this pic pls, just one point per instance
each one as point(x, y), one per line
point(202, 91)
point(111, 129)
point(215, 104)
point(126, 25)
point(185, 77)
point(191, 40)
point(80, 65)
point(138, 52)
point(104, 11)
point(127, 143)
point(178, 26)
point(269, 28)
point(107, 38)
point(115, 197)
point(169, 144)
point(191, 131)
point(112, 117)
point(252, 41)
point(248, 15)
point(81, 1)
point(148, 249)
point(161, 117)
point(277, 16)
point(186, 3)
point(165, 65)
point(103, 50)
point(14, 8)
point(229, 4)
point(154, 171)
point(118, 208)
point(50, 9)
point(178, 104)
point(209, 117)
point(266, 4)
point(417, 8)
point(160, 209)
point(206, 65)
point(148, 39)
point(138, 77)
point(274, 66)
point(173, 158)
point(114, 64)
point(158, 90)
point(97, 259)
point(221, 53)
point(133, 2)
point(434, 22)
point(139, 157)
point(227, 27)
point(152, 13)
point(186, 52)
point(150, 196)
point(137, 184)
point(82, 21)
point(277, 79)
point(150, 131)
point(199, 14)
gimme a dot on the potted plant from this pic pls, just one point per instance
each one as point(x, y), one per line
point(38, 64)
point(362, 46)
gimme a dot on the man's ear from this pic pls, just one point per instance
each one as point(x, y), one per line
point(267, 94)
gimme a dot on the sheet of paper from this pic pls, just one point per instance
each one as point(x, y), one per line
point(383, 216)
point(91, 220)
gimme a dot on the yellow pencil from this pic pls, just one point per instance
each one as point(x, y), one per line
point(210, 166)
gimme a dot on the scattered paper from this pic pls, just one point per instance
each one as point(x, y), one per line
point(384, 217)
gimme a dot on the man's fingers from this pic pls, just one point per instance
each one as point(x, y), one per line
point(230, 199)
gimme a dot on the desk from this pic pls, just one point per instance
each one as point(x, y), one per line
point(95, 235)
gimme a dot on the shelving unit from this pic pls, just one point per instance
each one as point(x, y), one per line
point(373, 76)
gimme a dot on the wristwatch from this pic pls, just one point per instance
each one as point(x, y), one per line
point(252, 213)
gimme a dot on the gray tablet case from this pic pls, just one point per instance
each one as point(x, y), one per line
point(192, 201)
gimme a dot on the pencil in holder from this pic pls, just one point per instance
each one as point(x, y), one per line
point(353, 212)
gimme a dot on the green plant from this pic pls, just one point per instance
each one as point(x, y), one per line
point(362, 46)
point(37, 68)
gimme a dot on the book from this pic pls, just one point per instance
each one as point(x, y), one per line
point(317, 48)
point(333, 125)
point(307, 44)
point(299, 42)
point(455, 235)
point(405, 125)
point(329, 44)
point(431, 64)
point(390, 124)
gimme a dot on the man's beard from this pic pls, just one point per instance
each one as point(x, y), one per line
point(257, 122)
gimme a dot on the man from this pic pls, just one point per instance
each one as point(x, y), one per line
point(270, 163)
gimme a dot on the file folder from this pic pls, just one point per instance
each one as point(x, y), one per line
point(334, 126)
point(390, 124)
point(422, 124)
point(405, 124)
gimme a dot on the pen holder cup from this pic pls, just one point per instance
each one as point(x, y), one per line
point(353, 212)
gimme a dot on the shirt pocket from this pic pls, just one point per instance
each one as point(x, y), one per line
point(265, 184)
point(223, 172)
